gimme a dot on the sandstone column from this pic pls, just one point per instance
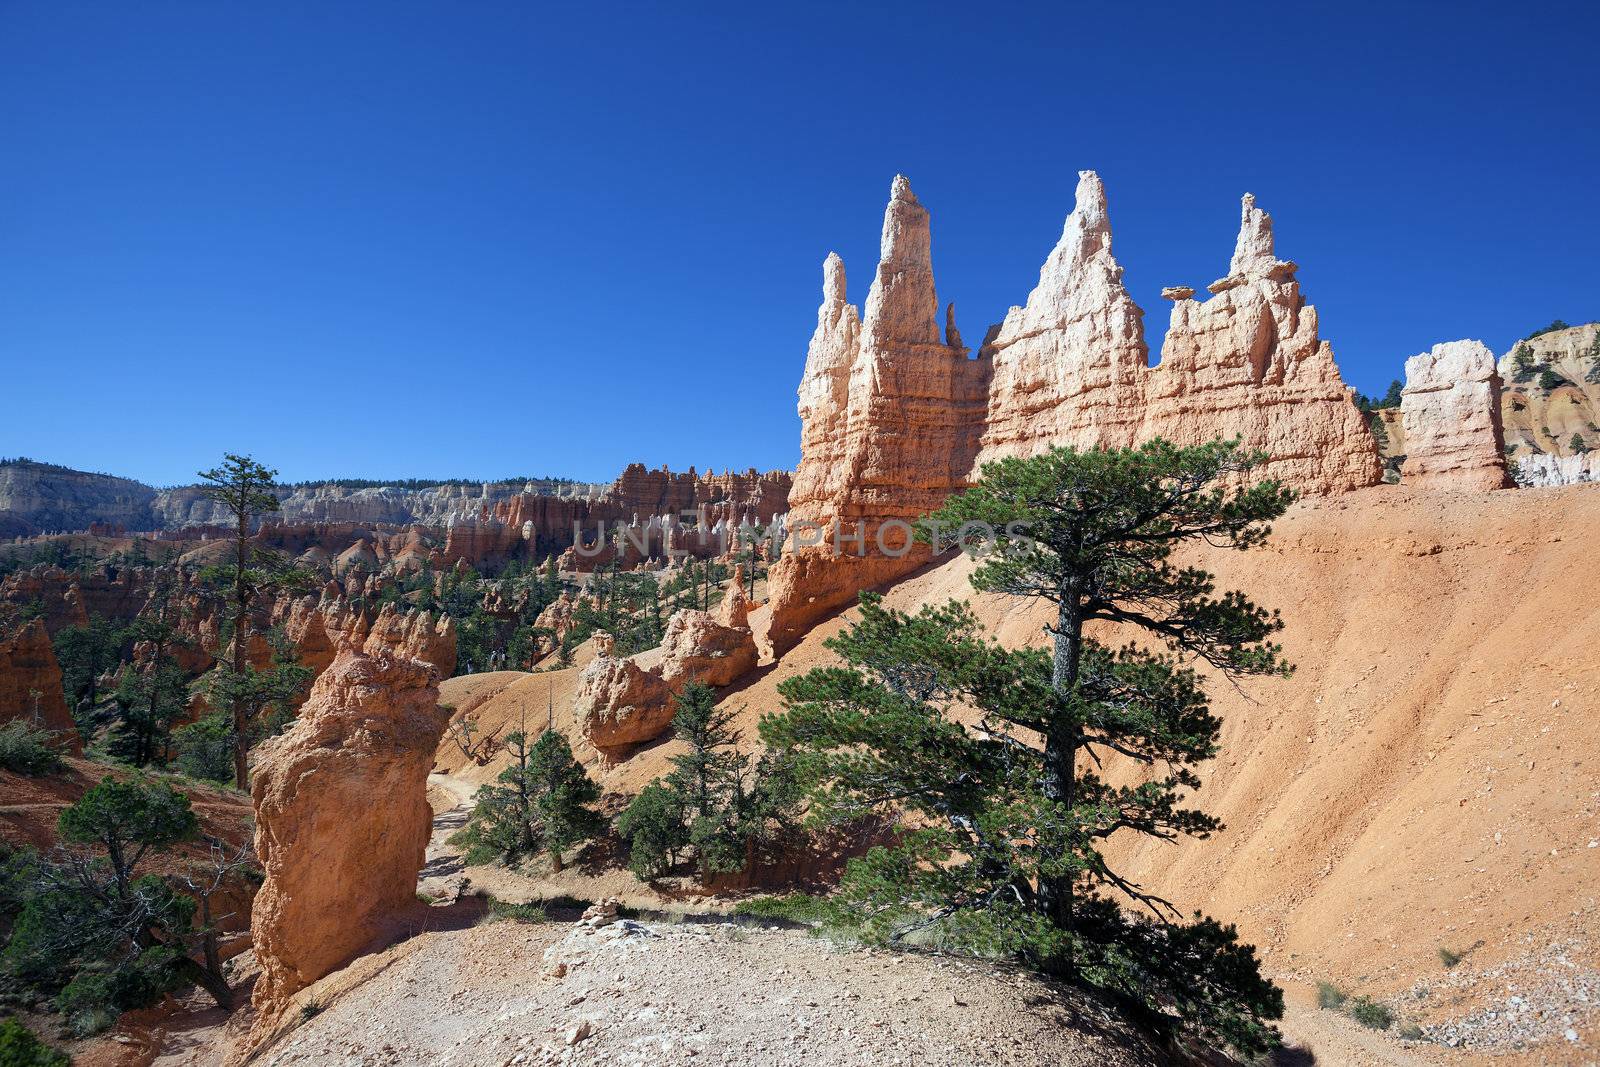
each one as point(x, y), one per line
point(342, 819)
point(1451, 413)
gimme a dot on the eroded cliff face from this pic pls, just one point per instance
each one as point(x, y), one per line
point(1450, 411)
point(342, 819)
point(894, 418)
point(1550, 421)
point(42, 497)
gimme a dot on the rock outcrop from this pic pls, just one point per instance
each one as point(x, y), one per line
point(415, 635)
point(624, 702)
point(1544, 469)
point(698, 648)
point(1550, 405)
point(1450, 410)
point(619, 704)
point(342, 820)
point(894, 418)
point(30, 683)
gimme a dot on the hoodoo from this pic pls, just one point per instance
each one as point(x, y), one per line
point(342, 818)
point(1451, 413)
point(894, 419)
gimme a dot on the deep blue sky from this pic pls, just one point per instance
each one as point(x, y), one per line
point(486, 239)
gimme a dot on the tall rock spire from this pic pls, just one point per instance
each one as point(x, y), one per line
point(902, 443)
point(902, 306)
point(824, 388)
point(1252, 252)
point(1067, 368)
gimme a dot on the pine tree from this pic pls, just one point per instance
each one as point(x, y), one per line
point(244, 488)
point(149, 700)
point(542, 804)
point(995, 760)
point(653, 826)
point(708, 779)
point(85, 653)
point(713, 802)
point(1577, 446)
point(1379, 433)
point(92, 921)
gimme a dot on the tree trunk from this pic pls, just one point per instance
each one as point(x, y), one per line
point(211, 981)
point(241, 744)
point(1060, 770)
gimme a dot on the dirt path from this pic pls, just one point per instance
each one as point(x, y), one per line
point(1326, 1039)
point(701, 995)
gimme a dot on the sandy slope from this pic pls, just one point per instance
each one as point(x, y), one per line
point(1429, 777)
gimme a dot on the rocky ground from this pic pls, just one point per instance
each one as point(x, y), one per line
point(631, 993)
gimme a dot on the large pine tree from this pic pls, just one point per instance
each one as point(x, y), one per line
point(1009, 769)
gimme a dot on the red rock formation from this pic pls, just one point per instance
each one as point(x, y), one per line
point(342, 820)
point(1248, 363)
point(1451, 413)
point(889, 417)
point(893, 419)
point(619, 704)
point(697, 648)
point(30, 683)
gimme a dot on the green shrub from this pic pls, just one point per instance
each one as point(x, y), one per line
point(1412, 1032)
point(522, 913)
point(1370, 1013)
point(1330, 996)
point(19, 1048)
point(94, 999)
point(26, 749)
point(205, 748)
point(790, 907)
point(310, 1009)
point(1448, 958)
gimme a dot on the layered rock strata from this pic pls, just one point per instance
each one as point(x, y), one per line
point(1450, 411)
point(894, 418)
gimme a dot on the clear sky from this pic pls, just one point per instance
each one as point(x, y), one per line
point(492, 239)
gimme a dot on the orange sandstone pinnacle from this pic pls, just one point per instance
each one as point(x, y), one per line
point(895, 417)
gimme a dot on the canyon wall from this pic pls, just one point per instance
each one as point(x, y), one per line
point(42, 497)
point(894, 418)
point(1550, 406)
